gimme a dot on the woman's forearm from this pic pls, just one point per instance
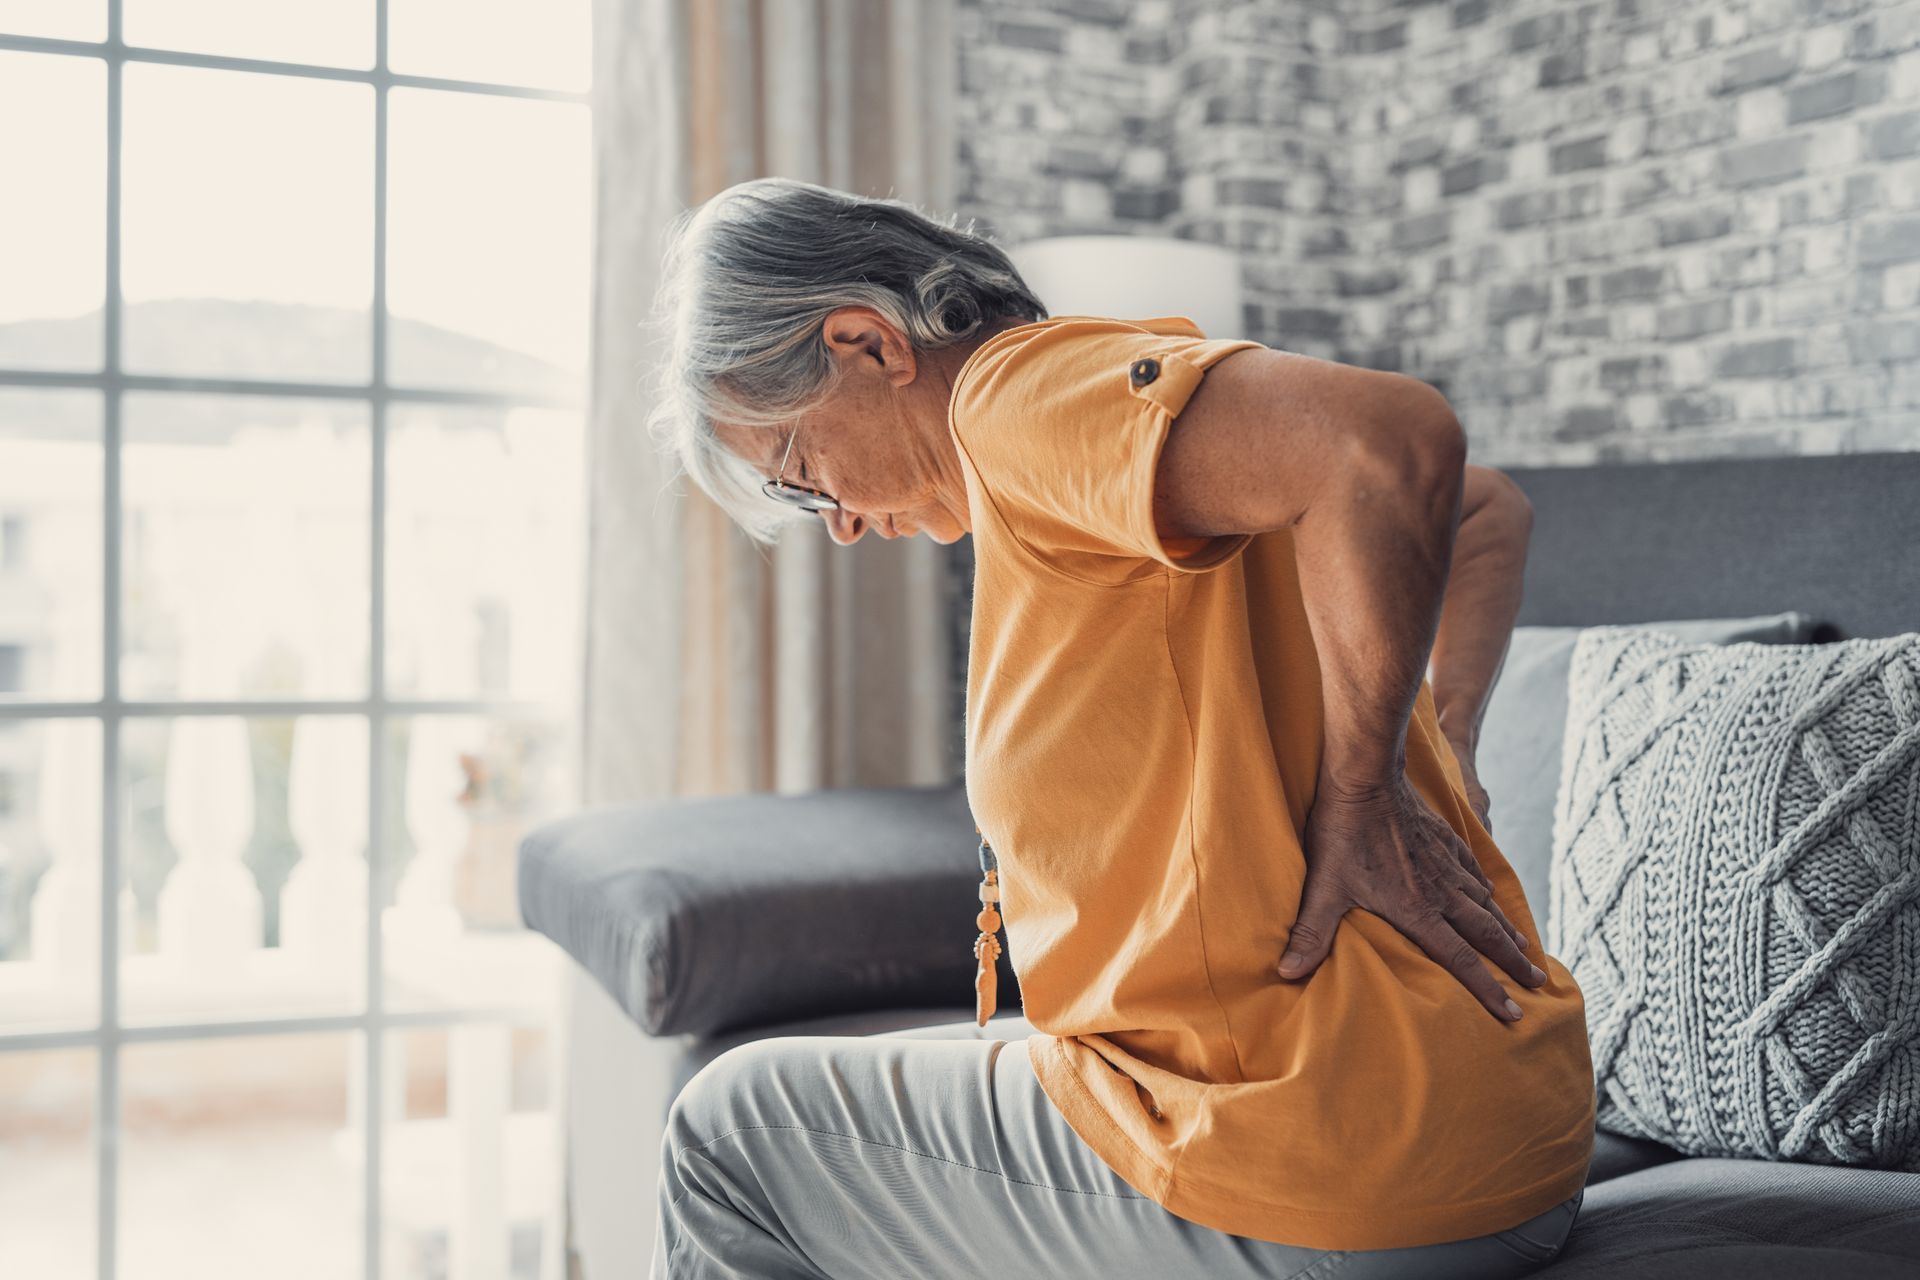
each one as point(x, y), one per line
point(1374, 554)
point(1482, 599)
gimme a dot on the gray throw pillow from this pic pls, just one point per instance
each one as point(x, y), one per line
point(1518, 759)
point(1736, 882)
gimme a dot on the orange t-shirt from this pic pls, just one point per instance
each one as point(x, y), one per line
point(1144, 737)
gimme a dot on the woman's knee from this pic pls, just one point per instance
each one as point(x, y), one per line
point(716, 1196)
point(737, 1089)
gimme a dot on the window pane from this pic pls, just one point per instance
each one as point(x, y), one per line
point(334, 33)
point(245, 547)
point(51, 535)
point(489, 242)
point(46, 1162)
point(246, 865)
point(241, 1158)
point(248, 225)
point(465, 789)
point(49, 874)
point(61, 19)
point(486, 539)
point(53, 247)
point(461, 1095)
point(543, 43)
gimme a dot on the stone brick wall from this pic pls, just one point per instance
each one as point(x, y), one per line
point(1615, 230)
point(1638, 231)
point(1619, 230)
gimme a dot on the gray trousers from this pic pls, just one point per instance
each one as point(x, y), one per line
point(934, 1153)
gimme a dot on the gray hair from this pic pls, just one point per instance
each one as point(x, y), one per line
point(748, 279)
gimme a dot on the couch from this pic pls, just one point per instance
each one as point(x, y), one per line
point(696, 925)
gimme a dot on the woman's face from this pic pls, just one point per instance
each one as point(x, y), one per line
point(879, 446)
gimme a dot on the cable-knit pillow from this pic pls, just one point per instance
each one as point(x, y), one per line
point(1736, 889)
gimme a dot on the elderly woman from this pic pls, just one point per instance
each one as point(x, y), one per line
point(1202, 747)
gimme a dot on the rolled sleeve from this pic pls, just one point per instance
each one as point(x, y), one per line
point(1177, 371)
point(1066, 428)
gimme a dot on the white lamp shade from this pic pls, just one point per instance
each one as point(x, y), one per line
point(1136, 278)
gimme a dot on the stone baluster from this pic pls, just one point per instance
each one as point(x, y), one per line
point(424, 907)
point(64, 921)
point(324, 906)
point(210, 907)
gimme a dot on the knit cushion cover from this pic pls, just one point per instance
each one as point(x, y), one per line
point(1736, 889)
point(1525, 721)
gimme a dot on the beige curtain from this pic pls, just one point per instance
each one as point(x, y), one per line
point(714, 665)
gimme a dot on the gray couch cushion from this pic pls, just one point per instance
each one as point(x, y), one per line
point(702, 915)
point(1519, 755)
point(1615, 1156)
point(1752, 1219)
point(1734, 861)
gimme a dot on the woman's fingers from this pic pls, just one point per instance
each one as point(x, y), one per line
point(1436, 934)
point(1519, 939)
point(1463, 854)
point(1322, 905)
point(1470, 867)
point(1485, 897)
point(1476, 922)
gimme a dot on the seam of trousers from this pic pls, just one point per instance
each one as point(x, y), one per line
point(1524, 1238)
point(1318, 1266)
point(924, 1155)
point(1571, 1203)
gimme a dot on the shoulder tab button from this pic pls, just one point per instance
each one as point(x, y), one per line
point(1143, 371)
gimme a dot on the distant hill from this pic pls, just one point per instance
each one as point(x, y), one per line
point(221, 338)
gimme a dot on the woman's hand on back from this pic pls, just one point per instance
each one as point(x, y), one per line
point(1390, 853)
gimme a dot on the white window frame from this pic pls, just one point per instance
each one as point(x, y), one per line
point(112, 711)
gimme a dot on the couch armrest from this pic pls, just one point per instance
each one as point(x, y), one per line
point(708, 914)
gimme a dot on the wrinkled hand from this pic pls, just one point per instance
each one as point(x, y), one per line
point(1388, 852)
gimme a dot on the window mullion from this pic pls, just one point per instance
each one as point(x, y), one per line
point(107, 1117)
point(375, 1046)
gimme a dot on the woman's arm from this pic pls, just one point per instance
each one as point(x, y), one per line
point(1374, 559)
point(1375, 562)
point(1368, 469)
point(1482, 600)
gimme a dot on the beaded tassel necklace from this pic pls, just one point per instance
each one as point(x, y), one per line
point(986, 948)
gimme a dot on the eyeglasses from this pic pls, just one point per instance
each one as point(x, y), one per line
point(796, 495)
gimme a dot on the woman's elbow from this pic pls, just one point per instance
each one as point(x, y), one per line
point(1422, 447)
point(1445, 438)
point(1502, 497)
